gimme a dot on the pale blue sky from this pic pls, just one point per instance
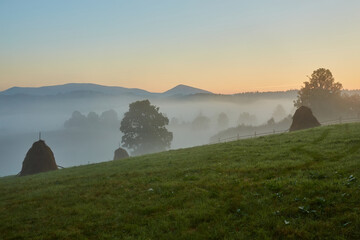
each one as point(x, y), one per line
point(223, 46)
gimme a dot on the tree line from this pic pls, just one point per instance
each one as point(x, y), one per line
point(144, 126)
point(325, 97)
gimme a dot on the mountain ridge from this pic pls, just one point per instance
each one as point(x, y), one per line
point(96, 88)
point(182, 89)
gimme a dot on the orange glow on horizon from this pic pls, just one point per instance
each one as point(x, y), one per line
point(223, 47)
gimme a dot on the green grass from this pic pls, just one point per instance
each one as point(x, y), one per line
point(301, 185)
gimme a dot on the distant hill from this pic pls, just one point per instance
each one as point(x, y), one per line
point(73, 88)
point(89, 88)
point(351, 92)
point(185, 90)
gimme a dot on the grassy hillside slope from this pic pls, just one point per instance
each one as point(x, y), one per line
point(301, 185)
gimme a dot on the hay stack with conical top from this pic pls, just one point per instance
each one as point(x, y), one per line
point(303, 119)
point(120, 153)
point(38, 159)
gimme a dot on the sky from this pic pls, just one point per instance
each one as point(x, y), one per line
point(224, 46)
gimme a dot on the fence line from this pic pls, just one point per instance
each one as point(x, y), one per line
point(325, 123)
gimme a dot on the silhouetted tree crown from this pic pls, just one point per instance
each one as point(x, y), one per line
point(108, 119)
point(144, 129)
point(223, 121)
point(279, 112)
point(321, 93)
point(246, 118)
point(77, 119)
point(200, 123)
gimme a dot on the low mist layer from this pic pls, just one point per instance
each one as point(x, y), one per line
point(94, 138)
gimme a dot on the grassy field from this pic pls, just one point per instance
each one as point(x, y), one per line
point(301, 185)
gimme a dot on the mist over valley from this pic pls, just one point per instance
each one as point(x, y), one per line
point(193, 118)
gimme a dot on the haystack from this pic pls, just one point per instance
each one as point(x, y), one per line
point(303, 118)
point(38, 159)
point(120, 153)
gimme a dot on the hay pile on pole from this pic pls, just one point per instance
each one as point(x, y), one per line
point(38, 159)
point(303, 119)
point(120, 153)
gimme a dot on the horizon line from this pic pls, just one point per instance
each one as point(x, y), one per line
point(180, 84)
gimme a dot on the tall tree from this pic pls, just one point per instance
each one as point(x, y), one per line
point(200, 123)
point(321, 93)
point(223, 121)
point(144, 129)
point(279, 113)
point(246, 118)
